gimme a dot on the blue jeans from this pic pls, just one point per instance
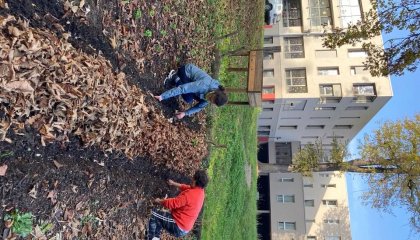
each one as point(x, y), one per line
point(161, 219)
point(188, 97)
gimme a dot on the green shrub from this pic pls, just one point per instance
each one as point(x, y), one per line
point(148, 33)
point(137, 14)
point(22, 223)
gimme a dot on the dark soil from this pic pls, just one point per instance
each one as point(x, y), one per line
point(84, 192)
point(107, 183)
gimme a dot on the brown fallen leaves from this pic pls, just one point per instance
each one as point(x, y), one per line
point(58, 90)
point(173, 32)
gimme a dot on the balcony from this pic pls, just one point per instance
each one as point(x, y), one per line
point(330, 93)
point(364, 93)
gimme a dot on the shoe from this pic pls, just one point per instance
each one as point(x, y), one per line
point(155, 238)
point(171, 73)
point(169, 77)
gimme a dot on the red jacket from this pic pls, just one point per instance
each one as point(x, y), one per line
point(186, 206)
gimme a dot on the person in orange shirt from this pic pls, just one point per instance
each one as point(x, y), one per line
point(184, 208)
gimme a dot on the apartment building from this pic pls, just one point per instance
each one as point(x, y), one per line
point(308, 208)
point(310, 94)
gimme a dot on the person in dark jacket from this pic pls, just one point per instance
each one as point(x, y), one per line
point(184, 208)
point(192, 83)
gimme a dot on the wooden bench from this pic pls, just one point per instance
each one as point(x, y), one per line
point(254, 78)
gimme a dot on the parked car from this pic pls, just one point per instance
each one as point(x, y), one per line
point(273, 11)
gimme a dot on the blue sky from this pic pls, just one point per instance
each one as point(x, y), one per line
point(367, 223)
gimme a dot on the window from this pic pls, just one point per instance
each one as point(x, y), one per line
point(315, 126)
point(309, 220)
point(268, 73)
point(286, 198)
point(329, 203)
point(263, 133)
point(357, 53)
point(296, 81)
point(350, 117)
point(288, 127)
point(329, 93)
point(331, 221)
point(266, 118)
point(343, 126)
point(325, 158)
point(309, 203)
point(332, 238)
point(268, 56)
point(335, 136)
point(325, 53)
point(310, 185)
point(290, 118)
point(264, 128)
point(286, 180)
point(267, 109)
point(364, 93)
point(292, 13)
point(283, 152)
point(268, 89)
point(310, 238)
point(330, 90)
point(324, 108)
point(319, 12)
point(326, 90)
point(293, 47)
point(349, 12)
point(324, 175)
point(328, 185)
point(357, 108)
point(268, 40)
point(357, 70)
point(328, 71)
point(320, 117)
point(310, 137)
point(268, 102)
point(268, 93)
point(364, 89)
point(287, 226)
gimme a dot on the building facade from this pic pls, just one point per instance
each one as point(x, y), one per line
point(310, 208)
point(310, 94)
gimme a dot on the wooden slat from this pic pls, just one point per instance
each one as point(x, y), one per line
point(254, 79)
point(258, 83)
point(255, 72)
point(254, 99)
point(228, 89)
point(237, 69)
point(237, 103)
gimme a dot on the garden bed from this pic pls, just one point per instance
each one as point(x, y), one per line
point(93, 173)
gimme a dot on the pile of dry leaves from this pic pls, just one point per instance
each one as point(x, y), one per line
point(46, 83)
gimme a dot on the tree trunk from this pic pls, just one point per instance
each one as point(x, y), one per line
point(359, 166)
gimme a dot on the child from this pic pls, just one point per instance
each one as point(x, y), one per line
point(192, 83)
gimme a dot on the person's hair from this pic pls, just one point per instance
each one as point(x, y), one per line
point(201, 179)
point(220, 97)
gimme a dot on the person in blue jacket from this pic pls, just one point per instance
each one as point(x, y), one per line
point(192, 83)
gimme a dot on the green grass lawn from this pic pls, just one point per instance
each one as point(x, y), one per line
point(231, 207)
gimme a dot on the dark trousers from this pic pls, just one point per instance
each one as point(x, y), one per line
point(162, 220)
point(188, 97)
